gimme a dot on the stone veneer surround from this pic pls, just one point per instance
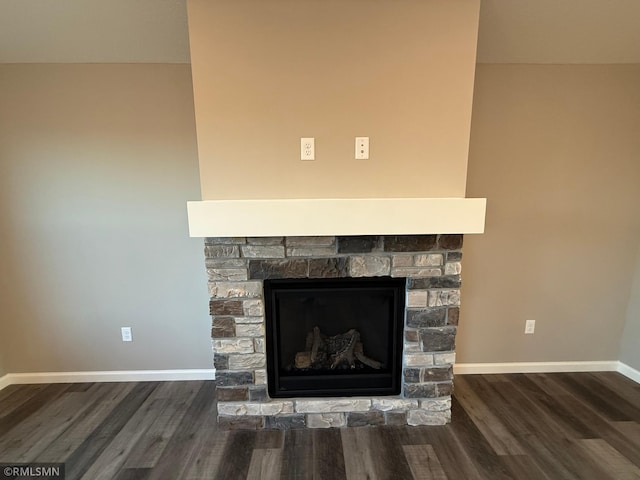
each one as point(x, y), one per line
point(236, 267)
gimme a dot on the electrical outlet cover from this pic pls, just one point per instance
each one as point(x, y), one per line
point(126, 334)
point(307, 148)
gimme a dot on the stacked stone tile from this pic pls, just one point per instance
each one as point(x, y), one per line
point(236, 268)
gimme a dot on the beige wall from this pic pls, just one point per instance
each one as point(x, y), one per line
point(555, 150)
point(96, 165)
point(268, 73)
point(630, 345)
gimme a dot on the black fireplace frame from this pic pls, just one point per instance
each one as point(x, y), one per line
point(281, 385)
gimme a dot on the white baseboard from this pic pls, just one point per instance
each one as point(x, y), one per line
point(4, 381)
point(210, 374)
point(108, 376)
point(629, 372)
point(535, 367)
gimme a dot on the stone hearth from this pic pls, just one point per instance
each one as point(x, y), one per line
point(236, 268)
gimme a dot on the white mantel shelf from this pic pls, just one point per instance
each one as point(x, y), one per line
point(348, 216)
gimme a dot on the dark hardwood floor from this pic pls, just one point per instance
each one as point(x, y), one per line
point(532, 426)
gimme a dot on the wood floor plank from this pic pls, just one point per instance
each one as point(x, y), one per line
point(613, 411)
point(373, 453)
point(523, 467)
point(266, 464)
point(553, 408)
point(455, 461)
point(502, 442)
point(547, 459)
point(15, 448)
point(494, 378)
point(116, 452)
point(149, 447)
point(237, 456)
point(619, 467)
point(476, 446)
point(14, 396)
point(8, 391)
point(631, 430)
point(30, 406)
point(605, 429)
point(108, 396)
point(551, 432)
point(208, 448)
point(545, 383)
point(522, 422)
point(297, 455)
point(88, 451)
point(207, 453)
point(424, 462)
point(406, 436)
point(492, 396)
point(328, 456)
point(133, 474)
point(611, 397)
point(269, 439)
point(358, 460)
point(80, 387)
point(183, 446)
point(388, 455)
point(556, 406)
point(620, 384)
point(58, 417)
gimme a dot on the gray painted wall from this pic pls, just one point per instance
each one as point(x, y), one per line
point(96, 165)
point(97, 162)
point(555, 150)
point(630, 351)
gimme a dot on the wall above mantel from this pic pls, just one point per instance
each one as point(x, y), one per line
point(266, 74)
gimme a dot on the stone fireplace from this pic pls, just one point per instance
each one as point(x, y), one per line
point(237, 268)
point(267, 215)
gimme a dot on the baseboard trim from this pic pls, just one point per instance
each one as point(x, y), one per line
point(629, 372)
point(210, 374)
point(535, 367)
point(4, 381)
point(108, 376)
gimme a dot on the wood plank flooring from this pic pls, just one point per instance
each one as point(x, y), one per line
point(573, 426)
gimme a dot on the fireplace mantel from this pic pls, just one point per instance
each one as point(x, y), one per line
point(353, 216)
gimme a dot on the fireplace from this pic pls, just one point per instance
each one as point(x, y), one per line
point(265, 215)
point(334, 337)
point(243, 273)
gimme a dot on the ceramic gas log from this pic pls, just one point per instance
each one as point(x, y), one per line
point(340, 351)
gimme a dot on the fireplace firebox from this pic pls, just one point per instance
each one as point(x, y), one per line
point(334, 337)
